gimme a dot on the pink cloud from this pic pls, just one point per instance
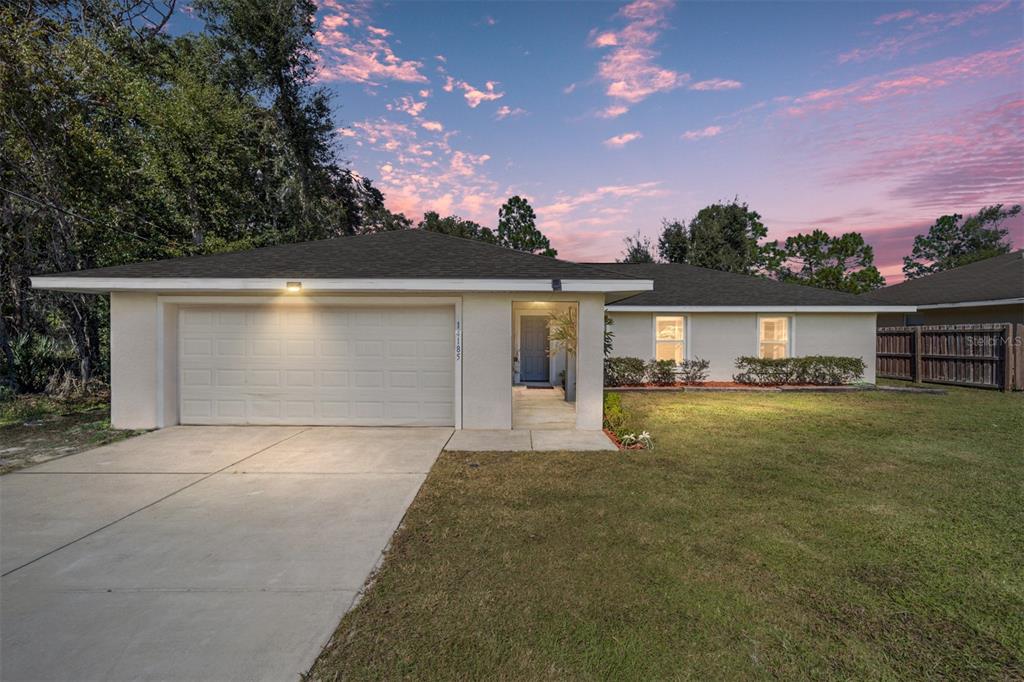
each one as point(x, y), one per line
point(895, 16)
point(920, 30)
point(622, 140)
point(474, 96)
point(407, 105)
point(702, 133)
point(613, 111)
point(970, 160)
point(911, 81)
point(716, 84)
point(433, 126)
point(629, 70)
point(506, 111)
point(348, 52)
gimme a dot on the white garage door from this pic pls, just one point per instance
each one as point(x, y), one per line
point(336, 366)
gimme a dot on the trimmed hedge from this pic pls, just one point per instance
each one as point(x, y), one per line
point(693, 371)
point(661, 372)
point(636, 372)
point(817, 370)
point(624, 371)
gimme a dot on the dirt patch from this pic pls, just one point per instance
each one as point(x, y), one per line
point(36, 429)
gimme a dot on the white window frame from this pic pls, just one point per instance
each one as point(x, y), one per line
point(684, 341)
point(790, 333)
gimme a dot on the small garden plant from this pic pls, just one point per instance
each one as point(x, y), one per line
point(616, 424)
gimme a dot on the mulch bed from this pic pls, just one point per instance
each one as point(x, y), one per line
point(732, 386)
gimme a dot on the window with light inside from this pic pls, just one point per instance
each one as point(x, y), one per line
point(773, 342)
point(669, 338)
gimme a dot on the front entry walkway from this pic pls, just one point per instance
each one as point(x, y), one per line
point(542, 420)
point(541, 408)
point(198, 552)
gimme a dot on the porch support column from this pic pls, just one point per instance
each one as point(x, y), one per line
point(590, 362)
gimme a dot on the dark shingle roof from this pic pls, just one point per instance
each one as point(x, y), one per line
point(676, 284)
point(992, 279)
point(413, 254)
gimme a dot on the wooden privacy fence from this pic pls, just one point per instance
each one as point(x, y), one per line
point(979, 355)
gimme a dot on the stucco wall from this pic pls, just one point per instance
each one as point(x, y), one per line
point(720, 338)
point(486, 361)
point(837, 334)
point(133, 361)
point(633, 335)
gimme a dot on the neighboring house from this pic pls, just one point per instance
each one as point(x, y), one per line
point(418, 328)
point(988, 291)
point(695, 312)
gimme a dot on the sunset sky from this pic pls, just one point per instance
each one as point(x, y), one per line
point(876, 117)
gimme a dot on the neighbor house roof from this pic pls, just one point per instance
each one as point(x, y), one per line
point(687, 286)
point(1000, 278)
point(405, 259)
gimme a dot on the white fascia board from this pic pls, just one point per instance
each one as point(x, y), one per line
point(971, 304)
point(195, 284)
point(761, 309)
point(615, 285)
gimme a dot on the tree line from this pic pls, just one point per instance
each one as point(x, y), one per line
point(730, 236)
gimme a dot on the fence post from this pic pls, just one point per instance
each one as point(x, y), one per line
point(918, 379)
point(1018, 355)
point(1007, 357)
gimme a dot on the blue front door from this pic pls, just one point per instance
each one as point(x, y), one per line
point(533, 348)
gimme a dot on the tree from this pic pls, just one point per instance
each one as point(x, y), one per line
point(953, 241)
point(638, 249)
point(722, 236)
point(455, 226)
point(844, 263)
point(674, 241)
point(120, 143)
point(517, 228)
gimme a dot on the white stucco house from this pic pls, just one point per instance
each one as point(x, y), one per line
point(418, 328)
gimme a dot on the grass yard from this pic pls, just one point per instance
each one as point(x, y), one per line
point(865, 535)
point(35, 429)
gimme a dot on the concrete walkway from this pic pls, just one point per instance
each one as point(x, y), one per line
point(537, 409)
point(541, 440)
point(225, 553)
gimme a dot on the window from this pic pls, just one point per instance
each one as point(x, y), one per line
point(773, 341)
point(670, 338)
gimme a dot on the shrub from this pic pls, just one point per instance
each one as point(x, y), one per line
point(614, 417)
point(661, 372)
point(819, 370)
point(624, 371)
point(37, 360)
point(692, 371)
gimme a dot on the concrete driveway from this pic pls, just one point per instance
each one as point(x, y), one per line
point(198, 552)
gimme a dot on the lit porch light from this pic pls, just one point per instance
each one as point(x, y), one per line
point(293, 287)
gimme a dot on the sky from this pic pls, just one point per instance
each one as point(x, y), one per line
point(608, 117)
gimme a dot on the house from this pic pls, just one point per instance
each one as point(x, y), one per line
point(419, 328)
point(695, 312)
point(987, 291)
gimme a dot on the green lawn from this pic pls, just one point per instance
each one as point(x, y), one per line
point(35, 429)
point(867, 535)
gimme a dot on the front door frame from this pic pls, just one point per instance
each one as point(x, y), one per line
point(522, 347)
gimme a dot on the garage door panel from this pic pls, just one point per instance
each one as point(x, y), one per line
point(317, 366)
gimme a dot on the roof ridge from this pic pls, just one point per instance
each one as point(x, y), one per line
point(506, 249)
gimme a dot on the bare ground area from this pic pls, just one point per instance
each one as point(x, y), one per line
point(36, 429)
